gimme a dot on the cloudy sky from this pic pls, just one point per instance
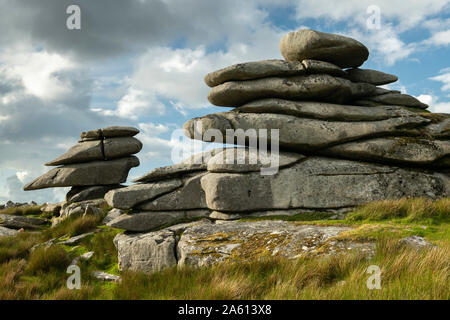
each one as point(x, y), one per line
point(141, 63)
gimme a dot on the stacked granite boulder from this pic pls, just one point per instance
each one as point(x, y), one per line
point(354, 142)
point(98, 163)
point(344, 140)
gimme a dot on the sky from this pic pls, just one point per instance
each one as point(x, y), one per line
point(141, 63)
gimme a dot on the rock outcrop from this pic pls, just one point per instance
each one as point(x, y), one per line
point(98, 163)
point(205, 243)
point(337, 140)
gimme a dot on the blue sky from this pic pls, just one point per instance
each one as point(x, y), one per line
point(141, 63)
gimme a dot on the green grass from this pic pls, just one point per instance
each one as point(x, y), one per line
point(73, 226)
point(17, 247)
point(49, 259)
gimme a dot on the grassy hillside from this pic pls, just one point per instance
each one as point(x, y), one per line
point(406, 273)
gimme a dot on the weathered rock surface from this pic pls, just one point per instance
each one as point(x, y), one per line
point(318, 87)
point(194, 163)
point(299, 134)
point(250, 160)
point(255, 70)
point(19, 222)
point(415, 242)
point(103, 276)
point(86, 174)
point(110, 148)
point(328, 214)
point(270, 68)
point(6, 232)
point(397, 99)
point(120, 147)
point(109, 132)
point(79, 208)
point(189, 196)
point(150, 220)
point(112, 214)
point(78, 194)
point(320, 183)
point(205, 245)
point(52, 208)
point(81, 152)
point(77, 239)
point(440, 128)
point(129, 197)
point(148, 252)
point(316, 66)
point(322, 110)
point(397, 149)
point(370, 76)
point(310, 44)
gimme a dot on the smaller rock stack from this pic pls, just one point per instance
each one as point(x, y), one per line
point(98, 163)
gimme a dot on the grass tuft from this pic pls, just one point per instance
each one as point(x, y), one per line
point(407, 209)
point(54, 258)
point(22, 211)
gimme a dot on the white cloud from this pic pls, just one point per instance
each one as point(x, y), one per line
point(133, 104)
point(441, 38)
point(178, 74)
point(153, 129)
point(425, 98)
point(444, 78)
point(434, 103)
point(22, 175)
point(38, 72)
point(406, 13)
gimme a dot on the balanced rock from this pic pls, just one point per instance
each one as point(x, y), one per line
point(370, 76)
point(110, 148)
point(99, 162)
point(395, 150)
point(323, 110)
point(270, 68)
point(301, 134)
point(86, 174)
point(310, 44)
point(397, 99)
point(109, 132)
point(318, 87)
